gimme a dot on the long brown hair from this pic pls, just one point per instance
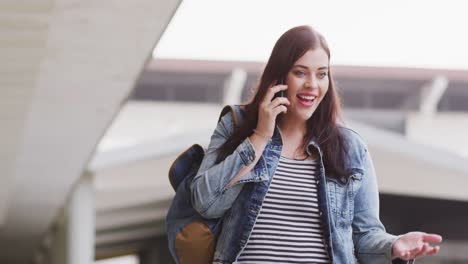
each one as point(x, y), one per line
point(322, 126)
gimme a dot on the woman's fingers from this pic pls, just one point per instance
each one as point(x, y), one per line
point(424, 250)
point(279, 109)
point(268, 105)
point(278, 105)
point(273, 90)
point(412, 253)
point(434, 251)
point(279, 101)
point(431, 238)
point(427, 248)
point(270, 108)
point(427, 251)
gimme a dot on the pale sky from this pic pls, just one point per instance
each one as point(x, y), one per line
point(411, 33)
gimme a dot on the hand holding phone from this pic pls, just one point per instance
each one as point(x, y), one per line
point(270, 108)
point(280, 93)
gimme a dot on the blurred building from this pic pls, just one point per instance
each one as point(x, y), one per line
point(88, 137)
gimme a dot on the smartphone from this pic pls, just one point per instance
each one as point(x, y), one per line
point(280, 93)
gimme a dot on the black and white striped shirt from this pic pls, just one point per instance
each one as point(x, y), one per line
point(288, 228)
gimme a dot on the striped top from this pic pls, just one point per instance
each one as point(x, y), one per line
point(288, 228)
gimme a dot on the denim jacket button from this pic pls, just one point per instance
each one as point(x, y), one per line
point(343, 180)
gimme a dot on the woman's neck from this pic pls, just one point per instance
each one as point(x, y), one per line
point(292, 133)
point(291, 127)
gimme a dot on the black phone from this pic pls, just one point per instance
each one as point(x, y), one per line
point(280, 93)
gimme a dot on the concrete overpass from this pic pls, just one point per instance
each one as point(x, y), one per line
point(67, 68)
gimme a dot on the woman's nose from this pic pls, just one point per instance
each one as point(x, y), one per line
point(312, 83)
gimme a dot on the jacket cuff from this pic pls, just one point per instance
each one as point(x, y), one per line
point(389, 252)
point(246, 152)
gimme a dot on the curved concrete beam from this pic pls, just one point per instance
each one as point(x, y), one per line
point(94, 52)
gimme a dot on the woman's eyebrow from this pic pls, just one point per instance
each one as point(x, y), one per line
point(305, 67)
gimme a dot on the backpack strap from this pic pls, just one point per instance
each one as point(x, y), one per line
point(189, 160)
point(184, 164)
point(236, 111)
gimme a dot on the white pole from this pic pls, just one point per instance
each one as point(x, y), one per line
point(81, 223)
point(233, 86)
point(431, 94)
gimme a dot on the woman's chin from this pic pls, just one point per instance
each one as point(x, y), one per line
point(307, 114)
point(300, 115)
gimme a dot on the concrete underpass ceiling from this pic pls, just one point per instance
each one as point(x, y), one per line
point(69, 67)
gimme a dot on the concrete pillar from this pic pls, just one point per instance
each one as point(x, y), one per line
point(431, 94)
point(58, 249)
point(233, 86)
point(71, 239)
point(81, 223)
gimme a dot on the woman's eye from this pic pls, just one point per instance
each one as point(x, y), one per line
point(299, 73)
point(322, 74)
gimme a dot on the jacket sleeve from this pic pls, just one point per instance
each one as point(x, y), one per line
point(372, 243)
point(209, 194)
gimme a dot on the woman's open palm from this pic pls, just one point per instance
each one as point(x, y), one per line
point(416, 244)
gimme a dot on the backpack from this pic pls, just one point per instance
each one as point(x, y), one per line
point(191, 238)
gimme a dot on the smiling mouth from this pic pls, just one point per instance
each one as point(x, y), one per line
point(306, 98)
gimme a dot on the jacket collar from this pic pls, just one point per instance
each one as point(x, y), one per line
point(312, 147)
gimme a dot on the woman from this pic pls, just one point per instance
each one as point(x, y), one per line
point(291, 184)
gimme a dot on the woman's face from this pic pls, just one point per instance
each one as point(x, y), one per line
point(307, 83)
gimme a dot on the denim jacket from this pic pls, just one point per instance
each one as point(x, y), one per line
point(350, 207)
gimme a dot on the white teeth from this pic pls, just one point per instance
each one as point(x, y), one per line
point(307, 97)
